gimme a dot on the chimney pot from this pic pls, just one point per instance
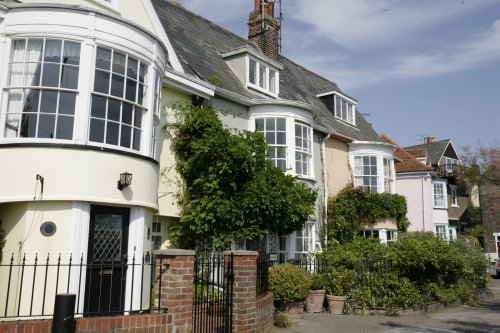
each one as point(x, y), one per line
point(429, 139)
point(270, 8)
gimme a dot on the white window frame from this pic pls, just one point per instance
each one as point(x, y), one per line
point(359, 174)
point(264, 84)
point(27, 88)
point(439, 196)
point(276, 147)
point(143, 108)
point(441, 230)
point(344, 109)
point(303, 150)
point(290, 146)
point(454, 195)
point(388, 165)
point(157, 234)
point(306, 238)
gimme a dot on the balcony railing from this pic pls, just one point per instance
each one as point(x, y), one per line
point(449, 170)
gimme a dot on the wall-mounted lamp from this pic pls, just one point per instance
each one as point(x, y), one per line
point(125, 180)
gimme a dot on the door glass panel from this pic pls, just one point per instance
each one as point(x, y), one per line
point(107, 245)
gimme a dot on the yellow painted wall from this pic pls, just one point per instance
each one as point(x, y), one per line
point(76, 175)
point(337, 165)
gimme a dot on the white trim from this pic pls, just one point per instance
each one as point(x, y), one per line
point(250, 50)
point(334, 92)
point(162, 36)
point(189, 84)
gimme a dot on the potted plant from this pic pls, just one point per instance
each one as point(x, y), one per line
point(290, 286)
point(317, 292)
point(339, 282)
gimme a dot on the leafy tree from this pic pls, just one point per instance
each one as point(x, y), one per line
point(354, 207)
point(230, 189)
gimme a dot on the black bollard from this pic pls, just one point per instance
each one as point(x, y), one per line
point(63, 320)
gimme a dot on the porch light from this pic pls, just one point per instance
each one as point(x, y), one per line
point(125, 180)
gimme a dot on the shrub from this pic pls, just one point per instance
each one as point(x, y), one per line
point(281, 320)
point(340, 281)
point(318, 281)
point(289, 283)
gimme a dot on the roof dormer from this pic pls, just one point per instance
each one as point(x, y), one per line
point(255, 70)
point(342, 106)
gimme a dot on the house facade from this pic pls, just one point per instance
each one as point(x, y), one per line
point(449, 205)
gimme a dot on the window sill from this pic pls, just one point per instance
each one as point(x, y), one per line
point(261, 90)
point(455, 206)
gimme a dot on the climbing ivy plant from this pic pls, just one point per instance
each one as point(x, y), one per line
point(354, 207)
point(230, 189)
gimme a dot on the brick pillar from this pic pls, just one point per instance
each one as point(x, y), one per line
point(244, 289)
point(176, 286)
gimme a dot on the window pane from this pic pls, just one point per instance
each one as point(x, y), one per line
point(19, 50)
point(31, 102)
point(270, 139)
point(96, 130)
point(112, 130)
point(281, 138)
point(140, 94)
point(67, 103)
point(71, 53)
point(270, 124)
point(98, 107)
point(137, 139)
point(50, 77)
point(69, 77)
point(137, 117)
point(281, 165)
point(259, 125)
point(281, 124)
point(131, 90)
point(28, 125)
point(103, 58)
point(142, 73)
point(101, 82)
point(64, 127)
point(118, 63)
point(132, 68)
point(46, 126)
point(114, 110)
point(125, 136)
point(11, 125)
point(49, 101)
point(127, 114)
point(16, 75)
point(272, 81)
point(117, 85)
point(53, 51)
point(251, 71)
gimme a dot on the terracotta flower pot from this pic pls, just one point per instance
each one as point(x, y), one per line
point(314, 302)
point(336, 303)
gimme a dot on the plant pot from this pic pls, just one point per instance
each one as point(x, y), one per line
point(336, 304)
point(314, 302)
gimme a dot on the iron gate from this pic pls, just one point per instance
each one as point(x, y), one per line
point(213, 293)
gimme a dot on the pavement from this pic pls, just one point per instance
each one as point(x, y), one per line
point(481, 318)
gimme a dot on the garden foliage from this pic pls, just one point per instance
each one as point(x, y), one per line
point(355, 207)
point(412, 272)
point(289, 283)
point(230, 188)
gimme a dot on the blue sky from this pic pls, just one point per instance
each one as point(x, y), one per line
point(417, 67)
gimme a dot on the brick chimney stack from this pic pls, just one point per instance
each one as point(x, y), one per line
point(429, 139)
point(263, 28)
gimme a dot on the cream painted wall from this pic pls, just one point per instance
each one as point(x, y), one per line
point(170, 181)
point(388, 223)
point(440, 216)
point(132, 10)
point(76, 174)
point(232, 114)
point(337, 165)
point(417, 188)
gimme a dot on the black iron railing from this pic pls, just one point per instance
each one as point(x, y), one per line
point(262, 284)
point(311, 264)
point(29, 285)
point(213, 293)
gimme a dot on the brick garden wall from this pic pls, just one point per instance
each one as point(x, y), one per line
point(175, 292)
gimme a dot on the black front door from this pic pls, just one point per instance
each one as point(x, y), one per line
point(106, 260)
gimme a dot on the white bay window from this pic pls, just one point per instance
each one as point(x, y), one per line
point(366, 172)
point(42, 88)
point(439, 194)
point(285, 134)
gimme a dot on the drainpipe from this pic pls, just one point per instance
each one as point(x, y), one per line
point(325, 180)
point(423, 202)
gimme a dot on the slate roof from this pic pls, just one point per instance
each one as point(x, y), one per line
point(199, 44)
point(435, 150)
point(406, 163)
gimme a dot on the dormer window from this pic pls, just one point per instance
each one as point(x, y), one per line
point(261, 77)
point(344, 110)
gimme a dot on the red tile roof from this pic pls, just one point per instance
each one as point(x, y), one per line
point(407, 162)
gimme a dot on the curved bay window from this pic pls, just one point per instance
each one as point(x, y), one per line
point(302, 148)
point(42, 88)
point(118, 99)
